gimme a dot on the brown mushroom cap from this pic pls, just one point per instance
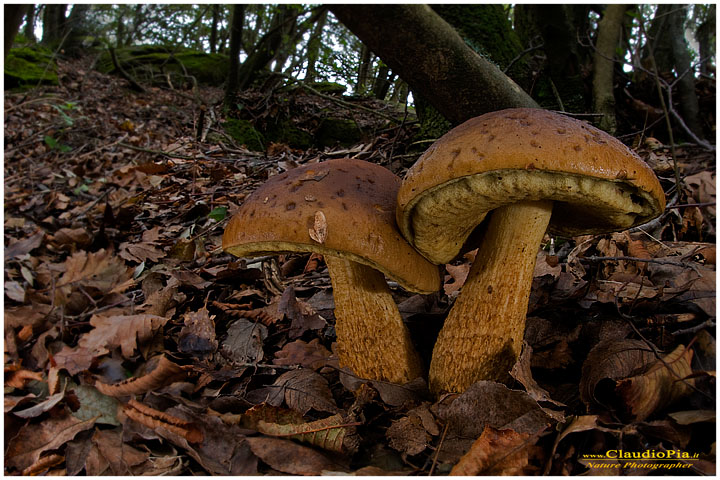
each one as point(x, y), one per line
point(356, 201)
point(596, 183)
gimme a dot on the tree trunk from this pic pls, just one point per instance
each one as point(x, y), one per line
point(29, 31)
point(670, 50)
point(363, 69)
point(214, 28)
point(608, 40)
point(282, 26)
point(236, 28)
point(53, 23)
point(76, 29)
point(381, 85)
point(13, 18)
point(313, 47)
point(429, 54)
point(560, 27)
point(706, 39)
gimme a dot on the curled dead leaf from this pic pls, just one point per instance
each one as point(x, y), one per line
point(495, 452)
point(319, 230)
point(165, 373)
point(153, 419)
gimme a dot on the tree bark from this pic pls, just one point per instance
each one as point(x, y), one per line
point(214, 28)
point(283, 24)
point(608, 39)
point(706, 39)
point(363, 69)
point(670, 49)
point(29, 31)
point(53, 23)
point(431, 57)
point(13, 18)
point(236, 28)
point(313, 47)
point(76, 29)
point(381, 85)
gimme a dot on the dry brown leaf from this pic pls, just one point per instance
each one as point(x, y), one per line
point(496, 452)
point(611, 359)
point(164, 373)
point(305, 390)
point(110, 331)
point(693, 416)
point(522, 373)
point(70, 238)
point(34, 439)
point(112, 455)
point(289, 457)
point(23, 247)
point(408, 435)
point(244, 342)
point(154, 419)
point(467, 415)
point(458, 275)
point(309, 355)
point(302, 316)
point(99, 270)
point(198, 335)
point(334, 433)
point(662, 383)
point(318, 232)
point(140, 252)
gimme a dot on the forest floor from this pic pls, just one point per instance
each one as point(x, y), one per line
point(134, 345)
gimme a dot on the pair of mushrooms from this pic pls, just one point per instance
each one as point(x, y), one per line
point(533, 169)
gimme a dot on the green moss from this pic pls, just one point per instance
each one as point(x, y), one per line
point(30, 66)
point(285, 132)
point(147, 61)
point(328, 88)
point(338, 131)
point(244, 133)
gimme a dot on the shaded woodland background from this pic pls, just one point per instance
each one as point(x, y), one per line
point(134, 345)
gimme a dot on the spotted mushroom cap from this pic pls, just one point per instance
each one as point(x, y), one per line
point(597, 184)
point(344, 208)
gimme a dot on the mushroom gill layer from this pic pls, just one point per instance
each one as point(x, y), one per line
point(442, 218)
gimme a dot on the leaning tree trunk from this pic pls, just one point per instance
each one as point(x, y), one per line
point(431, 57)
point(608, 40)
point(13, 18)
point(363, 69)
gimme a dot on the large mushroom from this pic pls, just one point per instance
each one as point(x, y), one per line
point(533, 169)
point(344, 209)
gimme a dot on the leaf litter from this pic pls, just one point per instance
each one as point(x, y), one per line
point(134, 345)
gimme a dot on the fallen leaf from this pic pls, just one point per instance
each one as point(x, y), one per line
point(318, 232)
point(521, 372)
point(306, 390)
point(289, 457)
point(309, 355)
point(302, 316)
point(140, 252)
point(693, 416)
point(110, 331)
point(197, 337)
point(660, 384)
point(23, 247)
point(33, 439)
point(495, 452)
point(244, 343)
point(407, 435)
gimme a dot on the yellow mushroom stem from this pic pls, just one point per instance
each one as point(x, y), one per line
point(371, 337)
point(483, 333)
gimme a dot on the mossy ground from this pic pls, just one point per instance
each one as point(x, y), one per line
point(30, 66)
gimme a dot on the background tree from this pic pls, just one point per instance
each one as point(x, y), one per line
point(608, 43)
point(236, 31)
point(13, 18)
point(29, 30)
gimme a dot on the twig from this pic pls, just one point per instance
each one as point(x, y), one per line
point(133, 83)
point(522, 54)
point(696, 328)
point(437, 450)
point(684, 205)
point(645, 260)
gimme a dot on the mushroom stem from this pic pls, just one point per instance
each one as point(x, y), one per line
point(483, 333)
point(371, 337)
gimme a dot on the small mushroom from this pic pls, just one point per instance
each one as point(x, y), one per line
point(533, 169)
point(344, 209)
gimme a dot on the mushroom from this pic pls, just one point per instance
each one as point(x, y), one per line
point(344, 209)
point(532, 169)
